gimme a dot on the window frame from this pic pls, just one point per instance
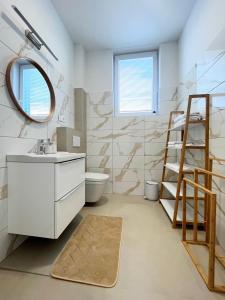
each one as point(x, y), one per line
point(117, 58)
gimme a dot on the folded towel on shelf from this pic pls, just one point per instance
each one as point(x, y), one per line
point(178, 143)
point(196, 116)
point(175, 143)
point(182, 122)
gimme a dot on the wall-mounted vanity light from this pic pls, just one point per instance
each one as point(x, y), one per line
point(32, 34)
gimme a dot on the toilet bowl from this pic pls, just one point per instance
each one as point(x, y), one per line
point(94, 186)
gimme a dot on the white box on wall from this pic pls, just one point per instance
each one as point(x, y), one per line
point(76, 141)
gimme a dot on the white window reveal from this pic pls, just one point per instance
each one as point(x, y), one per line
point(136, 83)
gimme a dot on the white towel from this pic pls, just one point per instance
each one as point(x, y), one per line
point(196, 116)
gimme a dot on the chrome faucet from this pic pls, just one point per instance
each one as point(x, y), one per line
point(42, 145)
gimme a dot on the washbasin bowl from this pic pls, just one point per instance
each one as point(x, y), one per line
point(45, 158)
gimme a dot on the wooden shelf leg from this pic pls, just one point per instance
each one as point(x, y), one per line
point(184, 221)
point(212, 239)
point(195, 221)
point(208, 202)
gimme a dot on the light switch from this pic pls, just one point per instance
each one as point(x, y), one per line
point(76, 141)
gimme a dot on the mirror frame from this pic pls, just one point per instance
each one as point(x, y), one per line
point(13, 97)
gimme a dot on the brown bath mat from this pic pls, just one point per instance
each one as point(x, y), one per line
point(92, 254)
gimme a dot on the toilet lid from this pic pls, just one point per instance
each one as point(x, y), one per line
point(96, 176)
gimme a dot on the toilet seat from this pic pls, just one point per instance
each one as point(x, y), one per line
point(96, 177)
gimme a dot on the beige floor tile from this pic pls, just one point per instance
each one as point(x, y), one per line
point(153, 265)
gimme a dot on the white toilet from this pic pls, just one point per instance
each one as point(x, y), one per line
point(94, 186)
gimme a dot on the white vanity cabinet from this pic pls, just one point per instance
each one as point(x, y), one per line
point(44, 193)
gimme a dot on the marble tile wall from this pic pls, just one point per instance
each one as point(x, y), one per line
point(207, 76)
point(18, 135)
point(129, 149)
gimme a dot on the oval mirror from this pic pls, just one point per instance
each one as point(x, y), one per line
point(30, 89)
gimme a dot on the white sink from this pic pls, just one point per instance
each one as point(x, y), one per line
point(45, 158)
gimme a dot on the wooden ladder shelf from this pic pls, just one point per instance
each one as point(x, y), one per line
point(208, 269)
point(172, 206)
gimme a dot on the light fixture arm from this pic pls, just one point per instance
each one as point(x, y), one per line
point(32, 35)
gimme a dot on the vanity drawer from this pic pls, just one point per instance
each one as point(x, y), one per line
point(68, 175)
point(68, 207)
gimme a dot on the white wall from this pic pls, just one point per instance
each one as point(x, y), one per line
point(168, 65)
point(99, 75)
point(204, 24)
point(17, 135)
point(79, 66)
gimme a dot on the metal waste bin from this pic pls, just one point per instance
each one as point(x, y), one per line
point(151, 190)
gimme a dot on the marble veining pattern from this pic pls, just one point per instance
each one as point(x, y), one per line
point(128, 175)
point(130, 149)
point(99, 123)
point(99, 149)
point(135, 144)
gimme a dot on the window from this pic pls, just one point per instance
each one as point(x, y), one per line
point(135, 86)
point(34, 92)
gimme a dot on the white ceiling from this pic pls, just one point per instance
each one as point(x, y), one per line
point(123, 24)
